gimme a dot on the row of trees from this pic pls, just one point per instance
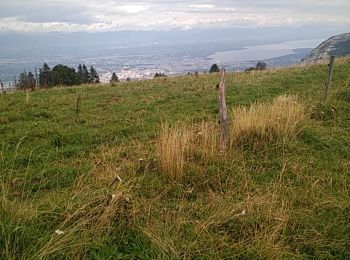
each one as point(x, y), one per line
point(62, 75)
point(59, 75)
point(26, 80)
point(159, 75)
point(259, 66)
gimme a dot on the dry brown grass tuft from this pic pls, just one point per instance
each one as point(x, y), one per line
point(181, 144)
point(267, 122)
point(258, 125)
point(172, 146)
point(207, 141)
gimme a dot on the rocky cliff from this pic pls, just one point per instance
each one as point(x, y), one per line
point(338, 46)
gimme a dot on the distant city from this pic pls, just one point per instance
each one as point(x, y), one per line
point(143, 66)
point(142, 59)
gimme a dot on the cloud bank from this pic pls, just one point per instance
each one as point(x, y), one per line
point(95, 16)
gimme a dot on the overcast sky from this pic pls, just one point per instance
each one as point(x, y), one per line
point(94, 15)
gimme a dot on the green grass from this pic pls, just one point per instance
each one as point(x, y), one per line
point(59, 170)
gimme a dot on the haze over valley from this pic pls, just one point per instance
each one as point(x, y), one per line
point(141, 54)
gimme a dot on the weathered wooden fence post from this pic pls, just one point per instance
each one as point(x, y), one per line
point(77, 108)
point(329, 80)
point(222, 111)
point(2, 87)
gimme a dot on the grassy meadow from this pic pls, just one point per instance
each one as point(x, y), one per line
point(133, 170)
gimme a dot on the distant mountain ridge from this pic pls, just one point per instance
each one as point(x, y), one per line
point(338, 46)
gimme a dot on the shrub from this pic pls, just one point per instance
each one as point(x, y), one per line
point(114, 78)
point(160, 75)
point(214, 68)
point(261, 65)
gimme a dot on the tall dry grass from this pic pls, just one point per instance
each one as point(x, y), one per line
point(184, 143)
point(207, 141)
point(172, 146)
point(261, 123)
point(257, 125)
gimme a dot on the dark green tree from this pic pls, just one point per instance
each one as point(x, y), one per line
point(23, 82)
point(64, 76)
point(159, 75)
point(86, 75)
point(26, 81)
point(114, 78)
point(261, 65)
point(94, 78)
point(80, 74)
point(45, 79)
point(214, 68)
point(31, 80)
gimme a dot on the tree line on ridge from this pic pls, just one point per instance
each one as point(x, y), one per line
point(59, 75)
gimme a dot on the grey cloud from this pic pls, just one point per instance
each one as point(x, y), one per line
point(37, 12)
point(85, 15)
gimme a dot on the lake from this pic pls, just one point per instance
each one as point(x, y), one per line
point(263, 52)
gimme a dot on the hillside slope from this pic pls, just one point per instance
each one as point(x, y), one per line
point(338, 46)
point(81, 175)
